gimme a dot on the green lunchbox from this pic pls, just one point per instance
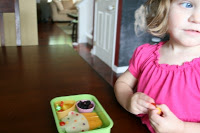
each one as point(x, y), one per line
point(106, 120)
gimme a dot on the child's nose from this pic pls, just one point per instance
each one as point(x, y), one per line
point(195, 17)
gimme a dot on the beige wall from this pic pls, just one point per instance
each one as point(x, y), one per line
point(28, 17)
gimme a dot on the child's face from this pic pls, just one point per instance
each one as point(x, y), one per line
point(184, 22)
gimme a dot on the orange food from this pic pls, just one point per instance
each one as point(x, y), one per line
point(93, 120)
point(159, 109)
point(154, 104)
point(66, 106)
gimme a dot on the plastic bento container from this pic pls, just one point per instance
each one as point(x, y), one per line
point(106, 120)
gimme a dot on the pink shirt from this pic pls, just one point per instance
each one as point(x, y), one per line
point(176, 86)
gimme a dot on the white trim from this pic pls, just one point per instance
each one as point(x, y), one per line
point(85, 21)
point(119, 69)
point(89, 35)
point(115, 33)
point(93, 51)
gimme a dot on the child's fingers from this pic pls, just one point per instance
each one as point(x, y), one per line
point(153, 124)
point(154, 117)
point(145, 101)
point(147, 98)
point(143, 110)
point(151, 106)
point(138, 109)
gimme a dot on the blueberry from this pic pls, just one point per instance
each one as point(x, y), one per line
point(79, 104)
point(85, 107)
point(84, 103)
point(90, 106)
point(88, 102)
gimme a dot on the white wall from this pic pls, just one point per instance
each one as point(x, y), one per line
point(85, 24)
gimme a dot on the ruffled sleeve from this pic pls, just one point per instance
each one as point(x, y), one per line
point(137, 60)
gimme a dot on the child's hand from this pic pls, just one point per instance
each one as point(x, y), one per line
point(167, 123)
point(140, 103)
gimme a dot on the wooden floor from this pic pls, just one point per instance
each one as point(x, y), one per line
point(50, 34)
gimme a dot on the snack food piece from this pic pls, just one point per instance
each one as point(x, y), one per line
point(80, 122)
point(159, 110)
point(64, 107)
point(93, 120)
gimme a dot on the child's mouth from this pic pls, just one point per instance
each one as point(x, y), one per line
point(193, 32)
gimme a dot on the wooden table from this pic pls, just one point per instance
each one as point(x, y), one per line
point(30, 76)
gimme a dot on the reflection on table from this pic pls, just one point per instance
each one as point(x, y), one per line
point(31, 76)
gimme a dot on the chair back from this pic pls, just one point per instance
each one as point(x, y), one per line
point(7, 6)
point(10, 6)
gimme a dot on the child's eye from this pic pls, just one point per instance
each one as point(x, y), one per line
point(187, 5)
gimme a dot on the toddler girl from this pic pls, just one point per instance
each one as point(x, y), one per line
point(166, 74)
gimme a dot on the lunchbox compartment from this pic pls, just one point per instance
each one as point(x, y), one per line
point(106, 120)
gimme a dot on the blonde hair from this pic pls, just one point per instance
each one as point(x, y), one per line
point(157, 16)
